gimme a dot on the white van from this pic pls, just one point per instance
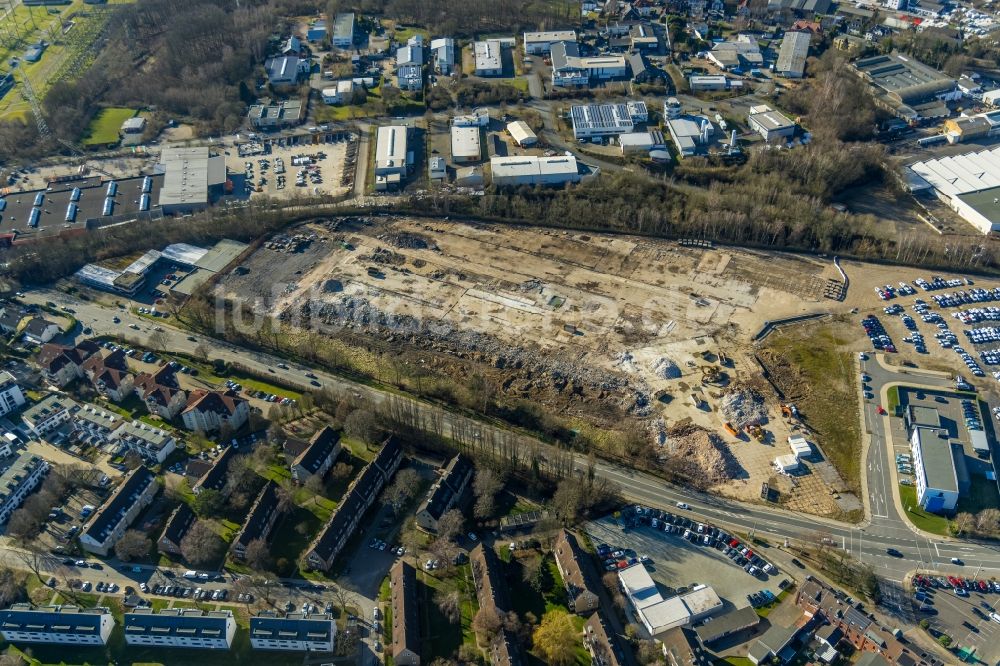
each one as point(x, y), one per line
point(191, 574)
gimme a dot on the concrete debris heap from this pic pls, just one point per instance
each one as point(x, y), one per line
point(742, 405)
point(701, 456)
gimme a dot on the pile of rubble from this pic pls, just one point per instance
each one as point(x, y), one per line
point(381, 255)
point(527, 373)
point(701, 456)
point(665, 368)
point(408, 241)
point(743, 405)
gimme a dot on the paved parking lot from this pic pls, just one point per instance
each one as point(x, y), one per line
point(677, 563)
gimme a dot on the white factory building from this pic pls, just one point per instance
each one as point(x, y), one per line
point(533, 170)
point(659, 615)
point(595, 120)
point(638, 142)
point(538, 43)
point(521, 133)
point(690, 134)
point(969, 184)
point(708, 83)
point(465, 144)
point(392, 157)
point(489, 57)
point(770, 124)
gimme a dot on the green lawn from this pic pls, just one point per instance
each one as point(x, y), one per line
point(517, 82)
point(105, 125)
point(824, 386)
point(929, 522)
point(440, 637)
point(892, 399)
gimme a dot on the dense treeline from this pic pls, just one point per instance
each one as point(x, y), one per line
point(466, 18)
point(190, 59)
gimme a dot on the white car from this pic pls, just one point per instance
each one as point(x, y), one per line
point(863, 356)
point(682, 505)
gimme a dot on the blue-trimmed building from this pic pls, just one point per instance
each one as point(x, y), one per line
point(56, 625)
point(181, 628)
point(295, 632)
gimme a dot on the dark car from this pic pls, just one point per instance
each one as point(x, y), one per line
point(893, 552)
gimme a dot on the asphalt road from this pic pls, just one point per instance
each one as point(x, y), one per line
point(868, 542)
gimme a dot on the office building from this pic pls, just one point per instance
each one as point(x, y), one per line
point(489, 57)
point(569, 68)
point(540, 43)
point(934, 470)
point(343, 31)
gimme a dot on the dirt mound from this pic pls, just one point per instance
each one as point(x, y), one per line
point(701, 456)
point(665, 368)
point(742, 405)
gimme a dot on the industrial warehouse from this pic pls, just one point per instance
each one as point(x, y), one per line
point(600, 120)
point(969, 184)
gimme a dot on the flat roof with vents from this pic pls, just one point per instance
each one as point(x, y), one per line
point(390, 150)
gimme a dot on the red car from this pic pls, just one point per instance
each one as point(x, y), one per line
point(733, 543)
point(983, 587)
point(954, 581)
point(880, 410)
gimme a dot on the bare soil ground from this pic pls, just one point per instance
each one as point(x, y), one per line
point(600, 330)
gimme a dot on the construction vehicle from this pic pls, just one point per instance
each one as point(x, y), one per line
point(755, 431)
point(789, 411)
point(731, 430)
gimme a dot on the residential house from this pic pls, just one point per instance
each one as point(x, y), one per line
point(603, 643)
point(47, 414)
point(11, 397)
point(62, 364)
point(150, 442)
point(405, 615)
point(215, 477)
point(357, 500)
point(107, 525)
point(286, 70)
point(295, 632)
point(776, 642)
point(209, 411)
point(56, 625)
point(318, 456)
point(824, 603)
point(40, 330)
point(109, 375)
point(264, 513)
point(180, 627)
point(18, 481)
point(577, 571)
point(292, 47)
point(504, 650)
point(94, 426)
point(176, 527)
point(11, 315)
point(161, 392)
point(446, 492)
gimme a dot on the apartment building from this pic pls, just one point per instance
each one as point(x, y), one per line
point(318, 456)
point(56, 625)
point(181, 628)
point(264, 513)
point(62, 364)
point(109, 522)
point(446, 492)
point(11, 397)
point(47, 414)
point(209, 411)
point(578, 574)
point(405, 615)
point(18, 481)
point(153, 444)
point(358, 499)
point(161, 392)
point(178, 524)
point(94, 425)
point(295, 632)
